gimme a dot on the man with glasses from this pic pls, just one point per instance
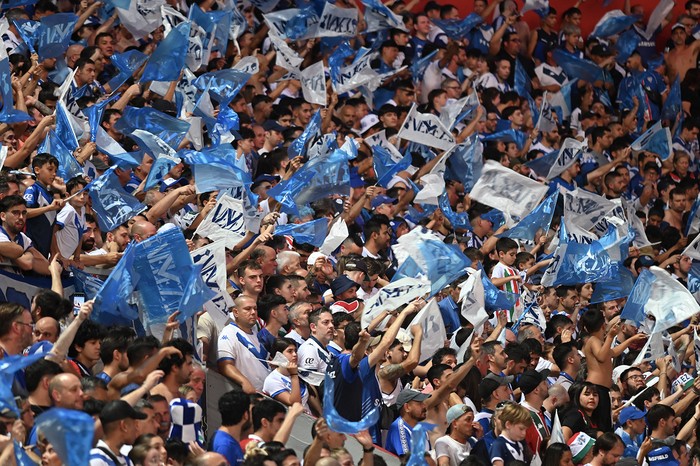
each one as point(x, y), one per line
point(17, 252)
point(631, 382)
point(16, 329)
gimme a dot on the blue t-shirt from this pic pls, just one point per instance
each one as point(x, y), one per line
point(398, 439)
point(356, 390)
point(40, 228)
point(662, 456)
point(223, 443)
point(506, 451)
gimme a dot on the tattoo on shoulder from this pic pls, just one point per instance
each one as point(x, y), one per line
point(392, 371)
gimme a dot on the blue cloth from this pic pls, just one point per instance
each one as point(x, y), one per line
point(501, 449)
point(398, 438)
point(70, 432)
point(662, 456)
point(450, 314)
point(40, 228)
point(223, 443)
point(168, 59)
point(111, 203)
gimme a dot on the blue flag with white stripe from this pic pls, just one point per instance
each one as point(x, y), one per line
point(458, 29)
point(539, 219)
point(223, 85)
point(612, 23)
point(313, 233)
point(213, 169)
point(576, 67)
point(10, 364)
point(634, 308)
point(385, 167)
point(111, 203)
point(126, 64)
point(70, 432)
point(419, 66)
point(112, 299)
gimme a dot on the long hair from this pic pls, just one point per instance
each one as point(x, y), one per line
point(554, 453)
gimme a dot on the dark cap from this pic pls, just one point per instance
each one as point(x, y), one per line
point(117, 410)
point(272, 125)
point(410, 394)
point(491, 382)
point(342, 284)
point(387, 108)
point(262, 178)
point(164, 106)
point(354, 265)
point(382, 199)
point(388, 43)
point(601, 50)
point(531, 379)
point(645, 261)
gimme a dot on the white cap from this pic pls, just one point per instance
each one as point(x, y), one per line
point(314, 257)
point(367, 122)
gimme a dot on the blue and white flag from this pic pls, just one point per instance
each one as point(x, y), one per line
point(464, 162)
point(612, 23)
point(296, 148)
point(21, 456)
point(213, 168)
point(625, 45)
point(86, 283)
point(140, 18)
point(54, 34)
point(575, 263)
point(535, 5)
point(426, 128)
point(68, 166)
point(454, 112)
point(379, 17)
point(127, 64)
point(521, 81)
point(94, 114)
point(170, 129)
point(661, 11)
point(495, 299)
point(112, 301)
point(561, 100)
point(168, 279)
point(392, 296)
point(576, 67)
point(568, 154)
point(28, 31)
point(419, 444)
point(656, 139)
point(584, 209)
point(458, 29)
point(358, 73)
point(384, 166)
point(338, 423)
point(619, 286)
point(288, 58)
point(223, 85)
point(313, 84)
point(226, 222)
point(459, 221)
point(64, 129)
point(163, 155)
point(111, 203)
point(419, 66)
point(658, 294)
point(337, 22)
point(672, 106)
point(508, 135)
point(473, 300)
point(507, 191)
point(168, 59)
point(212, 259)
point(546, 120)
point(293, 23)
point(693, 223)
point(70, 432)
point(538, 220)
point(313, 232)
point(542, 165)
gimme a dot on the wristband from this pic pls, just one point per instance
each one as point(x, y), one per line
point(368, 450)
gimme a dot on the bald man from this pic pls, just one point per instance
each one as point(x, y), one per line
point(210, 458)
point(66, 391)
point(72, 54)
point(46, 329)
point(142, 229)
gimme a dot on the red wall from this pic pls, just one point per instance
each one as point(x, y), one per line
point(592, 11)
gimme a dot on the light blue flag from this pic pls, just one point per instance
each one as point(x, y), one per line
point(168, 279)
point(111, 203)
point(576, 263)
point(126, 160)
point(112, 299)
point(522, 84)
point(222, 19)
point(385, 167)
point(379, 17)
point(612, 24)
point(529, 314)
point(17, 4)
point(576, 67)
point(539, 219)
point(316, 179)
point(168, 59)
point(297, 146)
point(94, 114)
point(602, 95)
point(205, 22)
point(672, 106)
point(223, 85)
point(54, 34)
point(313, 233)
point(9, 366)
point(86, 283)
point(694, 279)
point(625, 45)
point(459, 221)
point(442, 264)
point(336, 61)
point(338, 423)
point(656, 139)
point(64, 130)
point(419, 444)
point(21, 456)
point(543, 164)
point(693, 225)
point(458, 29)
point(8, 114)
point(162, 154)
point(213, 168)
point(620, 286)
point(70, 432)
point(634, 308)
point(534, 111)
point(495, 299)
point(28, 31)
point(68, 166)
point(465, 163)
point(508, 135)
point(126, 64)
point(170, 129)
point(496, 217)
point(419, 66)
point(226, 122)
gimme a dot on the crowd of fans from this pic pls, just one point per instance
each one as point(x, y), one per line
point(566, 382)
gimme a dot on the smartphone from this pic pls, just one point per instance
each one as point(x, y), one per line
point(78, 300)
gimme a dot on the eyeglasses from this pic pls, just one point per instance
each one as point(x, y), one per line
point(31, 326)
point(453, 87)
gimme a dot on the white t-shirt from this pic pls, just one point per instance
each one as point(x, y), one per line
point(277, 383)
point(72, 225)
point(313, 357)
point(234, 344)
point(451, 448)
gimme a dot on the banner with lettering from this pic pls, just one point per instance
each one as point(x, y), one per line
point(393, 296)
point(434, 334)
point(337, 22)
point(212, 259)
point(569, 152)
point(313, 84)
point(584, 209)
point(426, 128)
point(225, 222)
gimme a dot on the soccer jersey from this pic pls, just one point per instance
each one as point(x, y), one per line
point(246, 352)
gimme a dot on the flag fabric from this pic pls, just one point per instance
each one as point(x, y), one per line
point(392, 296)
point(163, 155)
point(507, 191)
point(168, 59)
point(473, 299)
point(379, 17)
point(585, 209)
point(86, 283)
point(521, 81)
point(576, 67)
point(426, 128)
point(661, 11)
point(662, 296)
point(419, 443)
point(314, 127)
point(693, 249)
point(458, 29)
point(656, 139)
point(696, 349)
point(168, 128)
point(693, 223)
point(288, 58)
point(568, 154)
point(114, 295)
point(9, 366)
point(464, 162)
point(535, 5)
point(672, 106)
point(557, 435)
point(112, 205)
point(538, 220)
point(419, 66)
point(68, 166)
point(337, 22)
point(358, 73)
point(459, 221)
point(139, 18)
point(212, 260)
point(54, 34)
point(620, 286)
point(313, 84)
point(94, 114)
point(384, 166)
point(626, 44)
point(575, 262)
point(508, 135)
point(612, 23)
point(127, 64)
point(21, 456)
point(434, 333)
point(495, 299)
point(223, 85)
point(224, 222)
point(70, 432)
point(338, 423)
point(64, 129)
point(545, 120)
point(313, 232)
point(8, 114)
point(213, 169)
point(454, 112)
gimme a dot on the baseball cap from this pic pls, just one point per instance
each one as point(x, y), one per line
point(342, 284)
point(530, 379)
point(382, 199)
point(455, 412)
point(580, 444)
point(676, 26)
point(272, 125)
point(491, 382)
point(356, 264)
point(367, 122)
point(387, 108)
point(645, 261)
point(171, 182)
point(117, 410)
point(601, 50)
point(314, 257)
point(410, 394)
point(630, 413)
point(262, 178)
point(617, 372)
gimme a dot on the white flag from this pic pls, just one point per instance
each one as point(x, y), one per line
point(693, 249)
point(379, 139)
point(585, 209)
point(336, 235)
point(546, 121)
point(212, 258)
point(535, 5)
point(669, 302)
point(503, 189)
point(434, 334)
point(393, 296)
point(471, 295)
point(250, 65)
point(356, 74)
point(139, 20)
point(433, 187)
point(224, 222)
point(652, 350)
point(337, 22)
point(286, 57)
point(450, 112)
point(569, 152)
point(3, 156)
point(313, 83)
point(663, 8)
point(557, 432)
point(426, 128)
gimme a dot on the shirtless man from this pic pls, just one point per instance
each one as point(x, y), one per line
point(599, 357)
point(437, 404)
point(397, 363)
point(682, 56)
